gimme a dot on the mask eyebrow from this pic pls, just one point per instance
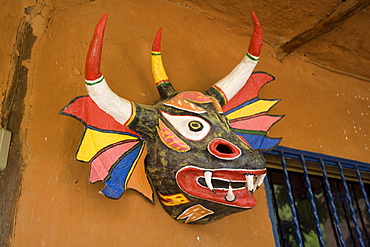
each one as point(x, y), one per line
point(217, 105)
point(185, 105)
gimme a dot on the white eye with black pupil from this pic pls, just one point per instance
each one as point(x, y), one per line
point(195, 126)
point(191, 127)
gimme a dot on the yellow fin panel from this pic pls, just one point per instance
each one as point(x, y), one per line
point(253, 108)
point(93, 141)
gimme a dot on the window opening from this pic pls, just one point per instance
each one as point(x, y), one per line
point(317, 200)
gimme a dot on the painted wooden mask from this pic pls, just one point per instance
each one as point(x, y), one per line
point(198, 150)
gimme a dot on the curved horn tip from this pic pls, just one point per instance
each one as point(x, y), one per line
point(92, 67)
point(104, 17)
point(100, 27)
point(256, 22)
point(157, 41)
point(256, 42)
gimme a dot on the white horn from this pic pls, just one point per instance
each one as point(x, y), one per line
point(98, 89)
point(234, 81)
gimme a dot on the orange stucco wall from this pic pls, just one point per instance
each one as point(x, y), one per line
point(325, 112)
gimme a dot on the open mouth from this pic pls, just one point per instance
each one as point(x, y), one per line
point(232, 187)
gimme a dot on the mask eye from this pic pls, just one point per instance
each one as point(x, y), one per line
point(195, 126)
point(190, 127)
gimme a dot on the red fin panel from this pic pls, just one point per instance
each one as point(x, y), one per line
point(250, 90)
point(85, 110)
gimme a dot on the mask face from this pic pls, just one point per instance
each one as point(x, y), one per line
point(199, 168)
point(198, 149)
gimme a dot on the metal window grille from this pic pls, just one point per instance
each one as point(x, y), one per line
point(316, 199)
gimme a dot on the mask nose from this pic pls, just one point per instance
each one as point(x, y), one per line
point(223, 149)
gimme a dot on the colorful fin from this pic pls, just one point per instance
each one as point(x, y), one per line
point(248, 114)
point(115, 153)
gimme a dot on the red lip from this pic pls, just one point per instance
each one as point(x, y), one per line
point(191, 180)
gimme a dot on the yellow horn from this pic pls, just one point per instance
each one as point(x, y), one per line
point(161, 80)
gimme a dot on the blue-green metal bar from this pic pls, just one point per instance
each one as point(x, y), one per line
point(291, 201)
point(359, 211)
point(270, 195)
point(333, 208)
point(349, 201)
point(315, 157)
point(363, 190)
point(312, 203)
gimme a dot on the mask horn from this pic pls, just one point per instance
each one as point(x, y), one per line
point(228, 86)
point(161, 80)
point(97, 87)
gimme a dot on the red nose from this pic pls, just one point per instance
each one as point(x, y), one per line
point(223, 149)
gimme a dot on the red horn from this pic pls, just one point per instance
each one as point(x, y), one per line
point(256, 41)
point(92, 67)
point(161, 80)
point(228, 86)
point(97, 87)
point(157, 41)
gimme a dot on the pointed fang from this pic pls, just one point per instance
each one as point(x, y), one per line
point(259, 181)
point(250, 182)
point(208, 178)
point(230, 195)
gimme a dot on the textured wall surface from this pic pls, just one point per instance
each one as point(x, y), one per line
point(342, 49)
point(326, 111)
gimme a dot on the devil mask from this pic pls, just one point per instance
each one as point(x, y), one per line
point(198, 150)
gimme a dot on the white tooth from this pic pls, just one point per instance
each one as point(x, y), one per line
point(259, 181)
point(208, 178)
point(249, 179)
point(230, 195)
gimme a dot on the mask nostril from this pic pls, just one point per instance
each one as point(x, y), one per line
point(222, 148)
